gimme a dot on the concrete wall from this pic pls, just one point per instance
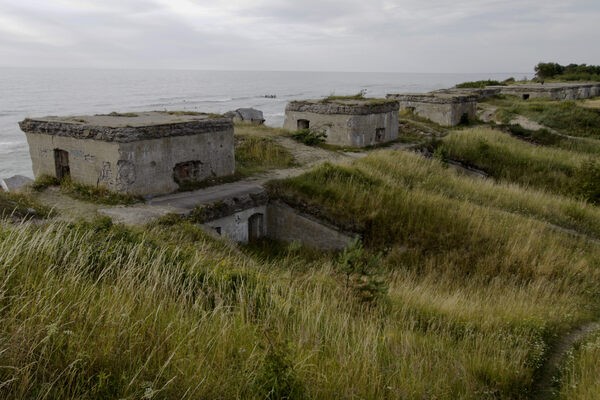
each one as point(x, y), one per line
point(89, 160)
point(235, 226)
point(286, 224)
point(349, 130)
point(554, 91)
point(281, 222)
point(445, 114)
point(146, 167)
point(143, 167)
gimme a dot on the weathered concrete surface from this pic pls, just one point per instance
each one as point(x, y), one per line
point(238, 226)
point(555, 91)
point(288, 225)
point(15, 183)
point(153, 154)
point(478, 93)
point(356, 123)
point(250, 115)
point(442, 108)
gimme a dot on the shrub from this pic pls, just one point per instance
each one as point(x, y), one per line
point(277, 379)
point(310, 137)
point(362, 272)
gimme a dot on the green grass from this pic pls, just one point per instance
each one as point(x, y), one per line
point(80, 191)
point(580, 371)
point(479, 84)
point(544, 137)
point(476, 237)
point(512, 160)
point(478, 287)
point(21, 206)
point(567, 117)
point(254, 154)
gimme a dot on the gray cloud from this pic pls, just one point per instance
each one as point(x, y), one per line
point(348, 35)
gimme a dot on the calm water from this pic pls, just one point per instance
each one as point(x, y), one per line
point(39, 92)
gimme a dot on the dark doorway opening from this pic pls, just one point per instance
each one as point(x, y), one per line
point(303, 124)
point(61, 162)
point(379, 134)
point(525, 97)
point(189, 171)
point(256, 227)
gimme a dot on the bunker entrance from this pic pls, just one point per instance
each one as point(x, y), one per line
point(525, 97)
point(61, 163)
point(379, 134)
point(189, 171)
point(303, 124)
point(256, 227)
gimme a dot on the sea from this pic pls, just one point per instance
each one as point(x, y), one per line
point(34, 92)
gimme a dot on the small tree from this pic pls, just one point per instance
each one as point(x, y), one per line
point(362, 272)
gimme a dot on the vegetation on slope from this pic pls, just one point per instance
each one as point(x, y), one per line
point(21, 206)
point(512, 160)
point(567, 117)
point(580, 371)
point(544, 137)
point(255, 154)
point(81, 191)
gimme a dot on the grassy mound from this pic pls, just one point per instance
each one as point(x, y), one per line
point(567, 117)
point(512, 160)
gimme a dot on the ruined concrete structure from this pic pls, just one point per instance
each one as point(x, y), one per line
point(146, 153)
point(249, 216)
point(555, 91)
point(447, 109)
point(356, 123)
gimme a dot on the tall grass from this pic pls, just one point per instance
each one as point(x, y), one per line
point(580, 371)
point(512, 160)
point(100, 311)
point(565, 116)
point(258, 153)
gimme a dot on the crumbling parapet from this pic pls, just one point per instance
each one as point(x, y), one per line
point(443, 108)
point(147, 153)
point(347, 122)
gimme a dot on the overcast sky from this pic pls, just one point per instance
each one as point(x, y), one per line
point(317, 35)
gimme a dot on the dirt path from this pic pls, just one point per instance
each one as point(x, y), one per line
point(543, 389)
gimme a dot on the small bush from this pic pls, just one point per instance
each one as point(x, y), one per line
point(277, 379)
point(310, 137)
point(100, 195)
point(362, 272)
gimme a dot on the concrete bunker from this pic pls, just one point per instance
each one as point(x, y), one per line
point(553, 90)
point(347, 122)
point(147, 153)
point(250, 216)
point(447, 109)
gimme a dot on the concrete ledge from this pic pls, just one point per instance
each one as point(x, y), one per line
point(346, 107)
point(123, 129)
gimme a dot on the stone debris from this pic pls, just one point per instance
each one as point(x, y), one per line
point(15, 183)
point(251, 115)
